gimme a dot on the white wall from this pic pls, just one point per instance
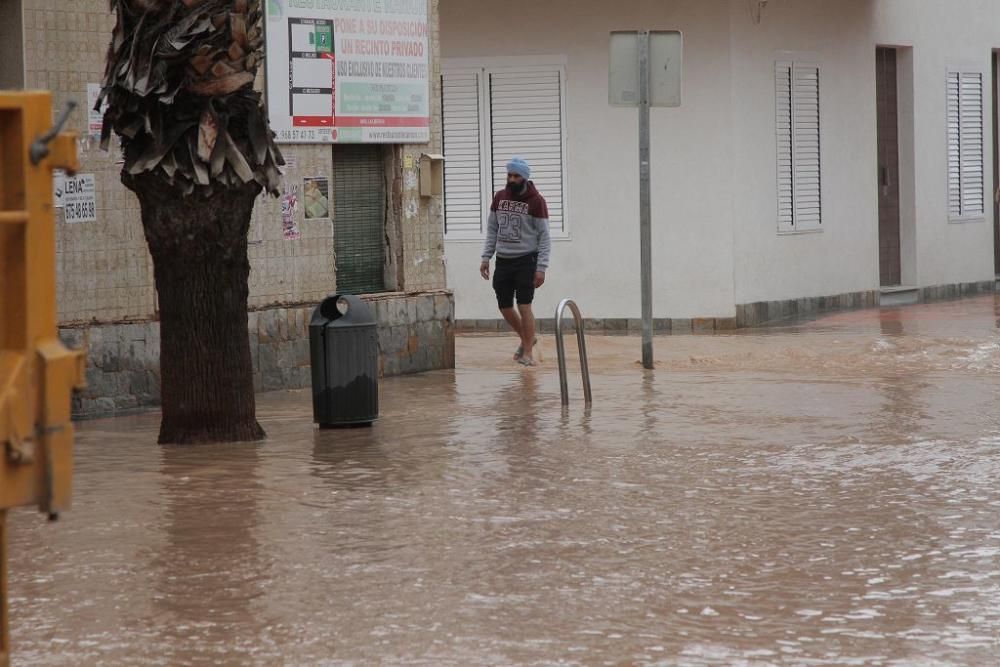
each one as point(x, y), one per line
point(714, 160)
point(943, 34)
point(844, 35)
point(843, 257)
point(692, 214)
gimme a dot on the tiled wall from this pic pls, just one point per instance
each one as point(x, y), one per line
point(423, 217)
point(105, 272)
point(416, 332)
point(11, 45)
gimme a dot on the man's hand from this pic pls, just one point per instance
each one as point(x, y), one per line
point(484, 269)
point(539, 279)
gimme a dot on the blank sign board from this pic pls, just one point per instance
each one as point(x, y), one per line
point(666, 48)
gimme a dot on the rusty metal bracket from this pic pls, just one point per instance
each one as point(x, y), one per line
point(18, 444)
point(40, 147)
point(20, 450)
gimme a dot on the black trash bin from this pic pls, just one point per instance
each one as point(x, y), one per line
point(343, 347)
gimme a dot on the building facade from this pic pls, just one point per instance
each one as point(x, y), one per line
point(380, 236)
point(825, 155)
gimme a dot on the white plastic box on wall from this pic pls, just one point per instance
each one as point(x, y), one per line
point(431, 175)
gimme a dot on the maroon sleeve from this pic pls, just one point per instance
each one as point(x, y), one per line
point(539, 209)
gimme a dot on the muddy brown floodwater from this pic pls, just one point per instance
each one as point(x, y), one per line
point(823, 493)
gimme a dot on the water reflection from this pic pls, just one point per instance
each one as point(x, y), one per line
point(518, 402)
point(901, 413)
point(352, 458)
point(825, 494)
point(209, 572)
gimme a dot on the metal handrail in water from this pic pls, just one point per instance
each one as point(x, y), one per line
point(561, 349)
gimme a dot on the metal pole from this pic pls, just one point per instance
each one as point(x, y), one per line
point(581, 342)
point(645, 231)
point(588, 397)
point(561, 354)
point(4, 632)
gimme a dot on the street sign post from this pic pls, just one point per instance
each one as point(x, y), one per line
point(645, 71)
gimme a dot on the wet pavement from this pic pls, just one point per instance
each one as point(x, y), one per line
point(822, 493)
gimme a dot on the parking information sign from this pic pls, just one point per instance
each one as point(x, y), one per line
point(79, 198)
point(348, 71)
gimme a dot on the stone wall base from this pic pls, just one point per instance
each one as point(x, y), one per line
point(762, 313)
point(956, 291)
point(416, 333)
point(748, 315)
point(612, 325)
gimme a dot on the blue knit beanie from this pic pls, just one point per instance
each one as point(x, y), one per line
point(520, 167)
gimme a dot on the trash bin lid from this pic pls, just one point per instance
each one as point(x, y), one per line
point(344, 310)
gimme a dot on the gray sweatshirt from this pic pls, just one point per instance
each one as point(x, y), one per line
point(519, 226)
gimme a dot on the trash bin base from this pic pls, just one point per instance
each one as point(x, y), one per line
point(330, 427)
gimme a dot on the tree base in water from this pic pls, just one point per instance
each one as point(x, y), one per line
point(199, 248)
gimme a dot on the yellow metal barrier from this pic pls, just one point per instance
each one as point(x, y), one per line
point(37, 373)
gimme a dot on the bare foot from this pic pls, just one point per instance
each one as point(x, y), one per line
point(519, 354)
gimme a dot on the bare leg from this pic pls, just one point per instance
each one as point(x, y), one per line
point(513, 319)
point(527, 330)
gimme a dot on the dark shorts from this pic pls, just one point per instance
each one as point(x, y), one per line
point(515, 276)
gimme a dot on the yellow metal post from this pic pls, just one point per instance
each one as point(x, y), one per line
point(37, 373)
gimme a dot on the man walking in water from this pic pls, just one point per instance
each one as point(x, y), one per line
point(518, 232)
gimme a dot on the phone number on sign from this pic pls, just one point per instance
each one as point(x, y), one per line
point(80, 211)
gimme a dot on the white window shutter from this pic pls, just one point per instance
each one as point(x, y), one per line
point(797, 126)
point(464, 203)
point(526, 120)
point(783, 108)
point(806, 147)
point(971, 125)
point(954, 145)
point(966, 170)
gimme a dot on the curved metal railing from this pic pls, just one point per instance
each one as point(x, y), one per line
point(561, 349)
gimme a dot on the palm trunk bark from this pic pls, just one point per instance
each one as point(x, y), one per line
point(199, 249)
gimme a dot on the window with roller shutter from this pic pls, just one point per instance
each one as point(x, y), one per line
point(359, 201)
point(491, 114)
point(462, 110)
point(799, 168)
point(966, 189)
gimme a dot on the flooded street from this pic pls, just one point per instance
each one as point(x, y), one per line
point(825, 493)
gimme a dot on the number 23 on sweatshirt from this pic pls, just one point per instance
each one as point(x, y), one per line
point(519, 226)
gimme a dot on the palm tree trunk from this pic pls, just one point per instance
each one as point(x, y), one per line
point(199, 249)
